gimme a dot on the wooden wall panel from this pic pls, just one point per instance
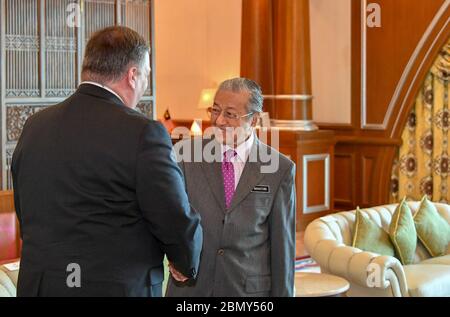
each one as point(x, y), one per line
point(386, 51)
point(367, 169)
point(312, 147)
point(344, 186)
point(316, 175)
point(388, 67)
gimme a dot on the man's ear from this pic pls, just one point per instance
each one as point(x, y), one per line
point(132, 76)
point(255, 119)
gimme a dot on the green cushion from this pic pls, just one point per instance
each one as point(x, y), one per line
point(166, 275)
point(368, 236)
point(403, 233)
point(432, 230)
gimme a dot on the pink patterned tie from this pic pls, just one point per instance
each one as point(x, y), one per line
point(228, 176)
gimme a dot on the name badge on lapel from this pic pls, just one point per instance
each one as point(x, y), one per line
point(261, 189)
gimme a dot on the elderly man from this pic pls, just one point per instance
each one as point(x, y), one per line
point(248, 215)
point(98, 194)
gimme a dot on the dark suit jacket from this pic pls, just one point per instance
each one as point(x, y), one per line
point(96, 184)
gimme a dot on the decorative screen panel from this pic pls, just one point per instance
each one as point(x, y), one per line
point(8, 176)
point(135, 14)
point(41, 57)
point(60, 50)
point(22, 48)
point(146, 108)
point(16, 115)
point(98, 14)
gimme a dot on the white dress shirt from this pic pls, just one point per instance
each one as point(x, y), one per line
point(242, 153)
point(104, 87)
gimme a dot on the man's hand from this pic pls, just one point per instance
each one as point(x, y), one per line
point(177, 275)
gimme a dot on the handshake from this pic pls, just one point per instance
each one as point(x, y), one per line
point(179, 277)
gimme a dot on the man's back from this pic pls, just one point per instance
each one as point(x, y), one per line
point(80, 174)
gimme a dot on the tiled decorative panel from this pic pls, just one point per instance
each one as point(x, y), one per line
point(22, 48)
point(15, 119)
point(146, 108)
point(60, 51)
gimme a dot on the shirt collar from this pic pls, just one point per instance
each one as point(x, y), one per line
point(104, 87)
point(242, 150)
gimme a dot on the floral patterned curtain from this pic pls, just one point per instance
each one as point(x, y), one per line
point(422, 165)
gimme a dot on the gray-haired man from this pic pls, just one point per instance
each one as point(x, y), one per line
point(248, 217)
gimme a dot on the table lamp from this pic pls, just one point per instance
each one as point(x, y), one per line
point(196, 129)
point(206, 98)
point(205, 101)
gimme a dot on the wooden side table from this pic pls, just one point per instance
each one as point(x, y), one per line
point(319, 284)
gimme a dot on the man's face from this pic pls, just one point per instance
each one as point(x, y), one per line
point(227, 117)
point(142, 79)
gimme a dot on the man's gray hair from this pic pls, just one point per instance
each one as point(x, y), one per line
point(239, 84)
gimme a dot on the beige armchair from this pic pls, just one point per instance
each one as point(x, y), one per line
point(8, 282)
point(328, 240)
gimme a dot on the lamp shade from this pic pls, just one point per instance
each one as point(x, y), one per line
point(206, 98)
point(196, 129)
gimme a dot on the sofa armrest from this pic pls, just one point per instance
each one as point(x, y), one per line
point(7, 286)
point(359, 267)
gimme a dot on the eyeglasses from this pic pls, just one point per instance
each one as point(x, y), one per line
point(215, 112)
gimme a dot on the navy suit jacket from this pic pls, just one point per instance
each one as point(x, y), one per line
point(96, 187)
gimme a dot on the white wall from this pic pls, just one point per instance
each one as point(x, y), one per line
point(197, 45)
point(330, 25)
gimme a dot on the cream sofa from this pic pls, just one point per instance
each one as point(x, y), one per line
point(328, 240)
point(8, 282)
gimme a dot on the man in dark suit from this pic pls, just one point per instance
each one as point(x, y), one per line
point(98, 194)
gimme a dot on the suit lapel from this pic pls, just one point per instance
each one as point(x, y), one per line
point(213, 174)
point(251, 176)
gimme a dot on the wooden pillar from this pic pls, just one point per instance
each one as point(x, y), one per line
point(257, 46)
point(275, 52)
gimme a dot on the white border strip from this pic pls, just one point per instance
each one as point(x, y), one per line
point(316, 157)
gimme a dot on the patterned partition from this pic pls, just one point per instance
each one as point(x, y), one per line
point(41, 55)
